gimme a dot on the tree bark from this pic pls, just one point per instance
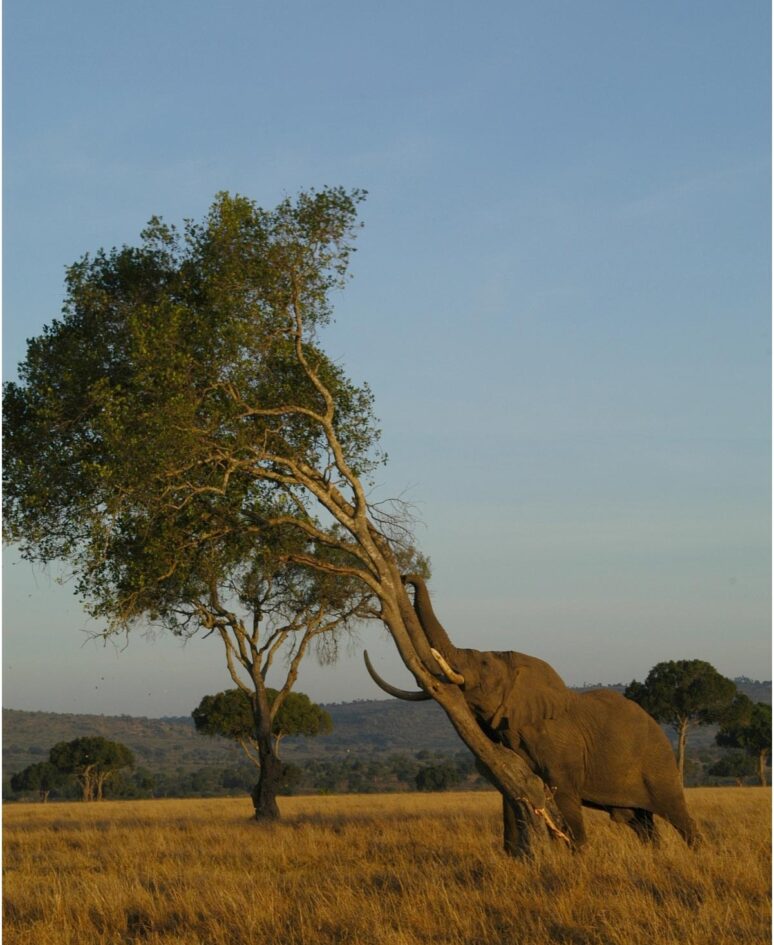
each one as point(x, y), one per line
point(521, 831)
point(264, 793)
point(762, 767)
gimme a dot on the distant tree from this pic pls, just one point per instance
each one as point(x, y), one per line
point(734, 764)
point(241, 777)
point(747, 725)
point(93, 760)
point(292, 776)
point(230, 715)
point(681, 694)
point(42, 777)
point(437, 777)
point(145, 781)
point(403, 767)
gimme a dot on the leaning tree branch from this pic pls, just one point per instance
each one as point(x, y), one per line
point(326, 422)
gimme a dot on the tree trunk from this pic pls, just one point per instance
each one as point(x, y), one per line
point(101, 779)
point(762, 767)
point(87, 784)
point(682, 733)
point(264, 793)
point(521, 830)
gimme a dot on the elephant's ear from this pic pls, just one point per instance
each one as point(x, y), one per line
point(534, 692)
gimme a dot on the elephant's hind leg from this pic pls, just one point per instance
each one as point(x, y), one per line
point(639, 820)
point(671, 806)
point(683, 823)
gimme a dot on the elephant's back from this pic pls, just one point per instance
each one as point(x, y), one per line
point(631, 750)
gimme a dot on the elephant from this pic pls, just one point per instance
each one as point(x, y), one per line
point(594, 749)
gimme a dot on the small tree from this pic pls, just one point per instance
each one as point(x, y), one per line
point(42, 777)
point(734, 764)
point(93, 760)
point(681, 694)
point(230, 715)
point(437, 777)
point(747, 725)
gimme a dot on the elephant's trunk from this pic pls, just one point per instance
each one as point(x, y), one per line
point(433, 628)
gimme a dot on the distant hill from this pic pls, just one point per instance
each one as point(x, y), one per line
point(364, 727)
point(173, 742)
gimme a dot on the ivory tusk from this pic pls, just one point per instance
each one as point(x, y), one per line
point(448, 671)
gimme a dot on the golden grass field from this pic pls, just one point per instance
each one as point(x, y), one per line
point(375, 870)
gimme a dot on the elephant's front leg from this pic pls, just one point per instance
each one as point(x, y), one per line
point(569, 805)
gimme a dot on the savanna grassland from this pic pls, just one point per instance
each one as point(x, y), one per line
point(375, 870)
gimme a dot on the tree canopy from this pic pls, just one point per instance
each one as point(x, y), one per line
point(682, 693)
point(162, 430)
point(230, 715)
point(93, 760)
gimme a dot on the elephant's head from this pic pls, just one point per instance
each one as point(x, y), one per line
point(489, 680)
point(506, 688)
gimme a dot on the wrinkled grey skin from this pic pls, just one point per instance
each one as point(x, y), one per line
point(595, 749)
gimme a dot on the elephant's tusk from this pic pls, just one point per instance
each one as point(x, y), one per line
point(556, 831)
point(448, 671)
point(393, 690)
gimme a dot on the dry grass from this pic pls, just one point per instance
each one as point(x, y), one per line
point(375, 870)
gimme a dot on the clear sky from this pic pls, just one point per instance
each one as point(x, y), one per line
point(561, 298)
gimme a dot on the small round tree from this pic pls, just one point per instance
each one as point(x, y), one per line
point(681, 694)
point(42, 777)
point(748, 726)
point(230, 714)
point(93, 760)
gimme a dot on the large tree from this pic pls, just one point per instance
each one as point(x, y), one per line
point(682, 694)
point(181, 429)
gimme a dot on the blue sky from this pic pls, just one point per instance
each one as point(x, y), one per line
point(561, 298)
